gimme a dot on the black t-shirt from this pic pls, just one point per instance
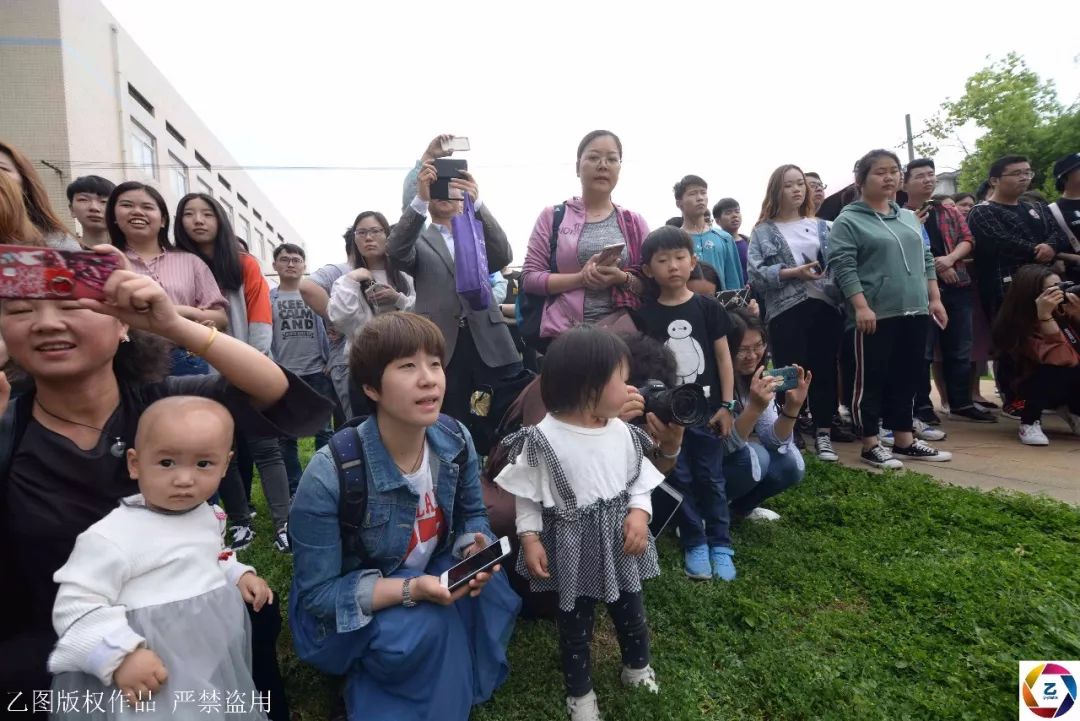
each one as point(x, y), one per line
point(55, 490)
point(689, 330)
point(1070, 210)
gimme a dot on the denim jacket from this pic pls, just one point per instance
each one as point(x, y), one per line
point(768, 253)
point(337, 591)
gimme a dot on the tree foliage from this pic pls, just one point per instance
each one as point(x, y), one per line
point(1016, 112)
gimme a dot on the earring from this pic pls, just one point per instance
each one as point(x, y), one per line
point(125, 338)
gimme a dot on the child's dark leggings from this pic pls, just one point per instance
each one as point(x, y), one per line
point(265, 628)
point(576, 631)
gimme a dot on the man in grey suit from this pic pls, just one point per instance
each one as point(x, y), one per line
point(479, 348)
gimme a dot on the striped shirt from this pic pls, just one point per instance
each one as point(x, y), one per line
point(184, 276)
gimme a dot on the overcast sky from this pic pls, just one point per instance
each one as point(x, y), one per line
point(724, 90)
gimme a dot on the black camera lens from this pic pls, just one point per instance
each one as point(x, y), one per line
point(684, 405)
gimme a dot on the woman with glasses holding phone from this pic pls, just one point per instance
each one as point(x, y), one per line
point(787, 262)
point(581, 284)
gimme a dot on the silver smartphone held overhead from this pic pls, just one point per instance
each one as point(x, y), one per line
point(456, 144)
point(457, 576)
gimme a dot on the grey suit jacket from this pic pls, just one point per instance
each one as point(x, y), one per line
point(421, 252)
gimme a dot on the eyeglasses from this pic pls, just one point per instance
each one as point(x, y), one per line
point(817, 186)
point(1020, 174)
point(369, 233)
point(595, 160)
point(751, 350)
point(290, 261)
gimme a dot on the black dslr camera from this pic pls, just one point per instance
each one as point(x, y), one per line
point(1067, 286)
point(684, 405)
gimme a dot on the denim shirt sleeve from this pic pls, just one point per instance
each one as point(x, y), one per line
point(761, 247)
point(470, 513)
point(316, 538)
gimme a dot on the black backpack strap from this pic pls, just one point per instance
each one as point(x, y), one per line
point(12, 426)
point(556, 221)
point(455, 427)
point(348, 454)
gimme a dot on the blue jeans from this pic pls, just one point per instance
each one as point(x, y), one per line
point(956, 342)
point(703, 517)
point(187, 364)
point(755, 473)
point(324, 386)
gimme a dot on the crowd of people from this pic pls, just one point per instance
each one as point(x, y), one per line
point(545, 416)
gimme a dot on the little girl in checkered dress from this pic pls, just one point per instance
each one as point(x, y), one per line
point(582, 492)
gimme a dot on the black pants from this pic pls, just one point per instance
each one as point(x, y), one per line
point(576, 631)
point(466, 372)
point(809, 334)
point(888, 366)
point(266, 454)
point(956, 341)
point(1050, 387)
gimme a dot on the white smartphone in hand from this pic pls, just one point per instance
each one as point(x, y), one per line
point(456, 144)
point(610, 254)
point(457, 576)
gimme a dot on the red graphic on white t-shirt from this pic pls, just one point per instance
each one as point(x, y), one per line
point(427, 529)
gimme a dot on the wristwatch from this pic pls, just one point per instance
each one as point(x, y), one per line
point(406, 595)
point(730, 405)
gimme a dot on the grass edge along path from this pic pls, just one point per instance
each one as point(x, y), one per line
point(875, 597)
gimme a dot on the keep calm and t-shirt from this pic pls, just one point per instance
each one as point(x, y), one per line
point(689, 330)
point(296, 337)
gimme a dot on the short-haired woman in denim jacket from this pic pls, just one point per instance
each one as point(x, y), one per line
point(787, 262)
point(378, 614)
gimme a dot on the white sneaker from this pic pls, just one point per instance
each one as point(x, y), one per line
point(762, 514)
point(643, 677)
point(823, 446)
point(885, 437)
point(1033, 435)
point(1071, 419)
point(583, 708)
point(879, 457)
point(926, 432)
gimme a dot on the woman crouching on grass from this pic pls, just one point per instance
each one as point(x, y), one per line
point(367, 603)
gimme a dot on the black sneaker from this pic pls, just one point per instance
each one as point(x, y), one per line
point(242, 536)
point(879, 457)
point(805, 424)
point(840, 434)
point(922, 451)
point(973, 414)
point(800, 442)
point(927, 416)
point(281, 540)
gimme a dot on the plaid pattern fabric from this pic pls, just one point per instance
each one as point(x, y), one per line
point(1003, 242)
point(954, 231)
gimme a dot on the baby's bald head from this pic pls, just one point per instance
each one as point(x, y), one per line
point(178, 416)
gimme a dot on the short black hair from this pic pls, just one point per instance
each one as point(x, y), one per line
point(688, 181)
point(812, 174)
point(709, 273)
point(665, 238)
point(999, 165)
point(90, 184)
point(289, 248)
point(982, 191)
point(674, 221)
point(723, 205)
point(388, 337)
point(916, 164)
point(593, 136)
point(578, 365)
point(957, 197)
point(650, 359)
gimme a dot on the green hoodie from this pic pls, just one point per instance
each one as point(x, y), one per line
point(883, 257)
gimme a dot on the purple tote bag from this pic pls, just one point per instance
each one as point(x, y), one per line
point(470, 258)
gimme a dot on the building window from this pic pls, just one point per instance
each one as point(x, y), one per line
point(243, 228)
point(178, 176)
point(256, 214)
point(260, 242)
point(140, 99)
point(242, 199)
point(201, 160)
point(143, 149)
point(228, 211)
point(203, 186)
point(175, 133)
point(224, 182)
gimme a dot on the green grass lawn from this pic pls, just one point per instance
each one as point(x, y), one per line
point(875, 597)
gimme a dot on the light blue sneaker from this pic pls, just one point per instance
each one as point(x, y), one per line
point(697, 563)
point(722, 565)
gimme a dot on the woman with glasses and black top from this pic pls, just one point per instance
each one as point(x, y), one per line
point(787, 262)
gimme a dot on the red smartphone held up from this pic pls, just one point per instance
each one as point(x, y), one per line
point(47, 274)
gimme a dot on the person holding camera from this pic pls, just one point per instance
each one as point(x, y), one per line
point(479, 348)
point(757, 470)
point(694, 327)
point(1036, 334)
point(786, 260)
